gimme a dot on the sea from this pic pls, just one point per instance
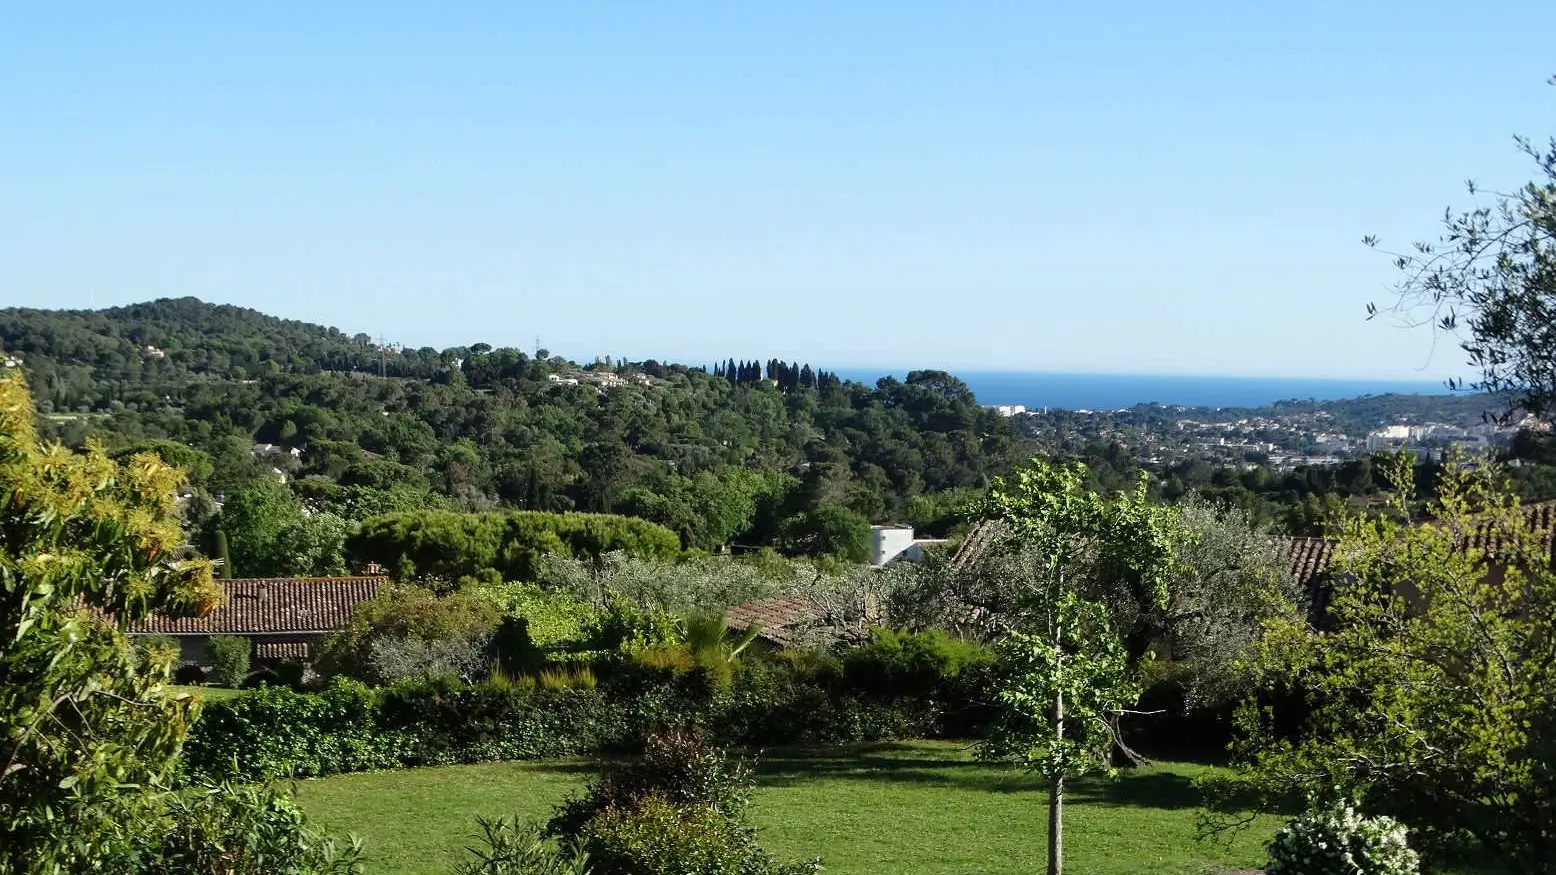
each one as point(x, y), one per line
point(1072, 391)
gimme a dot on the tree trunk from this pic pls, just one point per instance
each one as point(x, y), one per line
point(1056, 787)
point(1056, 826)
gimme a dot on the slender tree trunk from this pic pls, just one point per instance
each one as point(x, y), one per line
point(1056, 826)
point(1056, 788)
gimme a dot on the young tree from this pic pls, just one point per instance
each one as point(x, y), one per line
point(1425, 694)
point(1069, 676)
point(89, 731)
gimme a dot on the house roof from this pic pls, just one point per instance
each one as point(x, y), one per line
point(781, 618)
point(1308, 557)
point(297, 650)
point(270, 606)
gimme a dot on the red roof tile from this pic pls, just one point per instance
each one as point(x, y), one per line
point(297, 650)
point(261, 606)
point(1308, 557)
point(780, 617)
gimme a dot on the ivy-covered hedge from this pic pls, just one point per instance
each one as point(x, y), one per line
point(504, 545)
point(277, 732)
point(792, 698)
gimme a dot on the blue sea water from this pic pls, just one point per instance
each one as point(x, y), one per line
point(1114, 391)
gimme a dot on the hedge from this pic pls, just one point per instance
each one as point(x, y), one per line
point(276, 732)
point(447, 545)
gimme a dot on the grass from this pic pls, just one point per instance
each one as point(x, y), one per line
point(899, 808)
point(210, 694)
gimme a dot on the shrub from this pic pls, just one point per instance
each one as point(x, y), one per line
point(677, 768)
point(678, 809)
point(511, 847)
point(911, 664)
point(238, 829)
point(405, 613)
point(189, 674)
point(393, 660)
point(657, 838)
point(275, 732)
point(230, 659)
point(1338, 840)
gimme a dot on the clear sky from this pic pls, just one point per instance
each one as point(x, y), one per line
point(1135, 187)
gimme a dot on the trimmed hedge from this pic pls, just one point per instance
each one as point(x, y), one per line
point(277, 732)
point(788, 699)
point(445, 545)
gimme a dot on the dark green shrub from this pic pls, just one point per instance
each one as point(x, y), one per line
point(679, 808)
point(230, 655)
point(677, 768)
point(657, 838)
point(277, 732)
point(189, 674)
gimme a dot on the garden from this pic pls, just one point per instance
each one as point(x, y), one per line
point(1094, 680)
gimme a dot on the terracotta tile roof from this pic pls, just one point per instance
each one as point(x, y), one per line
point(1308, 557)
point(780, 617)
point(273, 606)
point(1540, 518)
point(298, 650)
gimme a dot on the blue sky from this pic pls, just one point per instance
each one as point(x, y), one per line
point(1128, 187)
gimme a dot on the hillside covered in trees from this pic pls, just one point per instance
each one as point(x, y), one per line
point(757, 453)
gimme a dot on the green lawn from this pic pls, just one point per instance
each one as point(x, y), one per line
point(885, 809)
point(211, 694)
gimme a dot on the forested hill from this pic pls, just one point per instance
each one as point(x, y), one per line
point(749, 452)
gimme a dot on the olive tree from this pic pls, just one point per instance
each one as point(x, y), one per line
point(1490, 281)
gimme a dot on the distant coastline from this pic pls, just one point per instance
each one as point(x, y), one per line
point(1036, 390)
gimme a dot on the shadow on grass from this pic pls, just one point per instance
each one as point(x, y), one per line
point(1166, 790)
point(890, 763)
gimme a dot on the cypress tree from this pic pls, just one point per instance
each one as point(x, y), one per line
point(223, 554)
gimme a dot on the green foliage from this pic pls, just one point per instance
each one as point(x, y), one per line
point(256, 521)
point(513, 847)
point(693, 585)
point(230, 659)
point(1070, 676)
point(829, 530)
point(91, 729)
point(242, 829)
point(658, 838)
point(680, 807)
point(1421, 694)
point(444, 546)
point(314, 545)
point(912, 664)
point(551, 619)
point(275, 732)
point(1063, 690)
point(1338, 840)
point(223, 555)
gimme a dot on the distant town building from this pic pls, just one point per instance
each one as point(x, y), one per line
point(1009, 409)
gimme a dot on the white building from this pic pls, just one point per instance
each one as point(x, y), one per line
point(1009, 409)
point(890, 544)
